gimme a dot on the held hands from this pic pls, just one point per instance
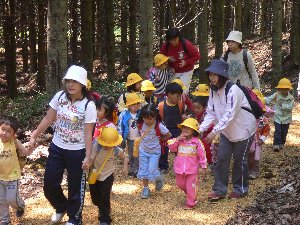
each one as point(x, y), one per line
point(210, 137)
point(32, 144)
point(182, 63)
point(86, 163)
point(172, 59)
point(125, 167)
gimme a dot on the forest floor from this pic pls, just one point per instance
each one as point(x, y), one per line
point(273, 197)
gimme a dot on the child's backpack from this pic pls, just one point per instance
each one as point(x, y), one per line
point(161, 108)
point(254, 102)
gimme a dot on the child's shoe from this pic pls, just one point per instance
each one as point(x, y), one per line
point(20, 213)
point(145, 193)
point(234, 195)
point(189, 207)
point(57, 217)
point(159, 183)
point(280, 147)
point(213, 197)
point(276, 148)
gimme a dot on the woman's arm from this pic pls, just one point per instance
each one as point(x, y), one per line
point(88, 133)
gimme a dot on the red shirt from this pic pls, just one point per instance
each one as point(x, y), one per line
point(179, 54)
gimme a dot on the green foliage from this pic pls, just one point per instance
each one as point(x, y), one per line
point(28, 110)
point(113, 89)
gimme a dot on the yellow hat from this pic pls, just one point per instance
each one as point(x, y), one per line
point(285, 83)
point(88, 85)
point(261, 97)
point(191, 123)
point(201, 90)
point(160, 59)
point(109, 137)
point(147, 85)
point(133, 98)
point(178, 81)
point(133, 78)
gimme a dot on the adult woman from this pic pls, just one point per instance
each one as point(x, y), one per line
point(241, 64)
point(236, 127)
point(74, 115)
point(182, 56)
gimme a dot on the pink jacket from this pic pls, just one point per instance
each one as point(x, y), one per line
point(190, 155)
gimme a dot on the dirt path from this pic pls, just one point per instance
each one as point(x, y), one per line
point(166, 207)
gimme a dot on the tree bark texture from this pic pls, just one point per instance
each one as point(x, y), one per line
point(218, 26)
point(295, 33)
point(32, 36)
point(133, 62)
point(146, 36)
point(74, 25)
point(57, 43)
point(238, 15)
point(247, 12)
point(124, 32)
point(24, 37)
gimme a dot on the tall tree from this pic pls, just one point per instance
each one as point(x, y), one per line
point(42, 51)
point(295, 33)
point(100, 49)
point(32, 36)
point(110, 47)
point(238, 15)
point(10, 46)
point(203, 37)
point(74, 24)
point(132, 36)
point(218, 26)
point(124, 32)
point(57, 38)
point(146, 36)
point(87, 36)
point(263, 9)
point(246, 26)
point(277, 40)
point(24, 36)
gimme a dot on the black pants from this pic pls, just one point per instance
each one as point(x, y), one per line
point(58, 160)
point(281, 131)
point(100, 194)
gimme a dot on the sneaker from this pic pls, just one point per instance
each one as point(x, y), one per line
point(159, 183)
point(276, 148)
point(280, 147)
point(189, 207)
point(57, 217)
point(20, 213)
point(213, 197)
point(252, 176)
point(70, 223)
point(103, 223)
point(145, 193)
point(234, 195)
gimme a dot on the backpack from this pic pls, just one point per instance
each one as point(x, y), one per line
point(255, 104)
point(183, 43)
point(161, 108)
point(245, 59)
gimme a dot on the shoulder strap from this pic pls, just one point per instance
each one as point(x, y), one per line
point(124, 98)
point(183, 43)
point(86, 104)
point(180, 106)
point(161, 109)
point(245, 59)
point(105, 161)
point(227, 88)
point(61, 94)
point(225, 57)
point(147, 131)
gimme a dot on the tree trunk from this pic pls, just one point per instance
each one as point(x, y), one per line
point(162, 22)
point(110, 49)
point(295, 33)
point(74, 24)
point(10, 47)
point(87, 36)
point(42, 60)
point(146, 36)
point(238, 16)
point(277, 40)
point(124, 33)
point(57, 38)
point(133, 66)
point(263, 9)
point(228, 17)
point(171, 13)
point(203, 39)
point(24, 36)
point(32, 37)
point(189, 29)
point(246, 26)
point(218, 26)
point(100, 49)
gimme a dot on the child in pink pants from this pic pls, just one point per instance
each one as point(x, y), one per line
point(190, 156)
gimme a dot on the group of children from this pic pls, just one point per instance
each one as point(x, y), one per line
point(155, 115)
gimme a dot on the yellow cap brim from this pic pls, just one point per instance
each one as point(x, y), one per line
point(148, 89)
point(195, 93)
point(284, 87)
point(129, 84)
point(132, 103)
point(182, 124)
point(103, 143)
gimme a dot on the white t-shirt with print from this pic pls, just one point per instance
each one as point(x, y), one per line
point(70, 121)
point(133, 129)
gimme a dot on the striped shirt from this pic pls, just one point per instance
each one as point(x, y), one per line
point(164, 79)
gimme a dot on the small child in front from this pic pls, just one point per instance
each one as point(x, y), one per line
point(284, 103)
point(103, 152)
point(10, 172)
point(190, 156)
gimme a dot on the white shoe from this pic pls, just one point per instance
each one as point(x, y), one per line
point(57, 217)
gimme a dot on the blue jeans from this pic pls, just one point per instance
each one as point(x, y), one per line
point(148, 166)
point(58, 160)
point(281, 131)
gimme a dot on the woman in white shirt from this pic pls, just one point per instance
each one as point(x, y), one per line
point(236, 126)
point(74, 115)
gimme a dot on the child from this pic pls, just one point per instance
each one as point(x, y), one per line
point(284, 103)
point(170, 110)
point(200, 99)
point(10, 172)
point(190, 155)
point(133, 84)
point(241, 64)
point(187, 104)
point(262, 132)
point(153, 131)
point(147, 89)
point(127, 126)
point(160, 75)
point(106, 114)
point(103, 162)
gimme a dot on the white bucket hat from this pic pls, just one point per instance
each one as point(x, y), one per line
point(235, 36)
point(77, 73)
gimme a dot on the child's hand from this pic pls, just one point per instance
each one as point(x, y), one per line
point(182, 63)
point(210, 137)
point(157, 78)
point(125, 167)
point(172, 59)
point(182, 136)
point(86, 163)
point(172, 70)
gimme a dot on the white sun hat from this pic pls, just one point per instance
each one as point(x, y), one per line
point(235, 36)
point(77, 73)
